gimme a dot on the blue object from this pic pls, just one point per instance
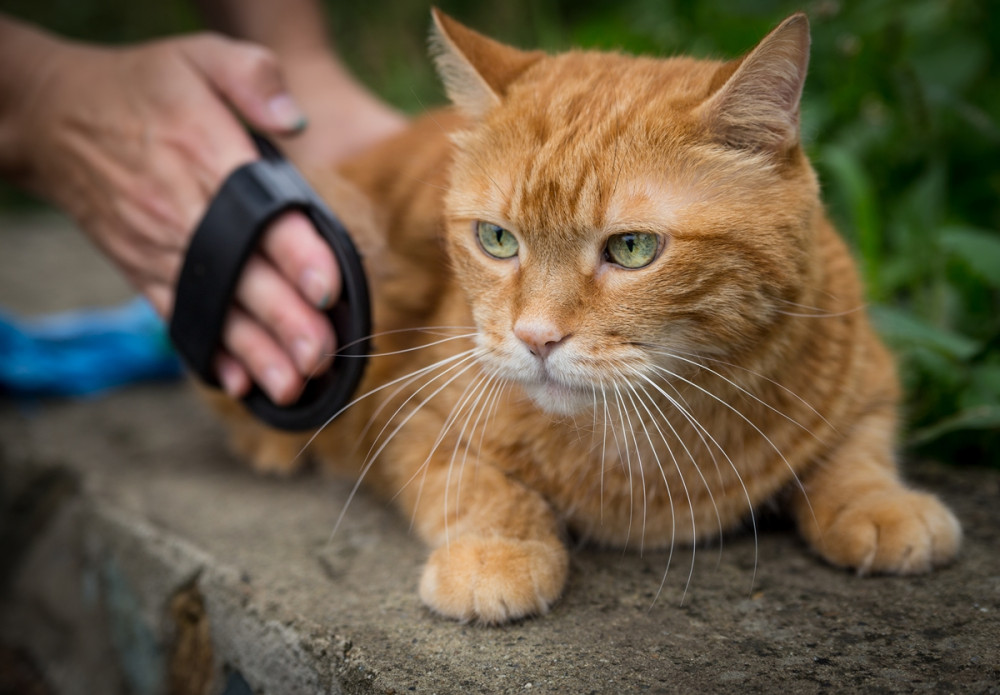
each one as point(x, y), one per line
point(84, 352)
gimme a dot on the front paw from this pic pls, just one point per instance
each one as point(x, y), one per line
point(494, 580)
point(895, 531)
point(273, 453)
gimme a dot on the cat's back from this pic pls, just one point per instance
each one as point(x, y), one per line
point(405, 176)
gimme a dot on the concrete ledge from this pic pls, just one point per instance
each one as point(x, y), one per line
point(139, 557)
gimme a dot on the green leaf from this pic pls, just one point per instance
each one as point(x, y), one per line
point(979, 249)
point(904, 329)
point(983, 417)
point(856, 186)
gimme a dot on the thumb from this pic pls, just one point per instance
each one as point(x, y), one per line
point(249, 78)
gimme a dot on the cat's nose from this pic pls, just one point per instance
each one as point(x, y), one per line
point(539, 335)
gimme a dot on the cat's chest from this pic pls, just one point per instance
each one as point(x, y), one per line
point(618, 481)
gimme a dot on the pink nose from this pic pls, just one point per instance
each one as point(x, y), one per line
point(540, 336)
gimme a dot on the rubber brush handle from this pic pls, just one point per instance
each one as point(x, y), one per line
point(246, 203)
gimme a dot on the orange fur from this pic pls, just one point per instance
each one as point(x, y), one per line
point(736, 368)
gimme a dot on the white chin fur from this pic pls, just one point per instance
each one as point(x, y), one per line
point(556, 399)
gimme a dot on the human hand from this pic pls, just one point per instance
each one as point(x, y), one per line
point(133, 142)
point(345, 118)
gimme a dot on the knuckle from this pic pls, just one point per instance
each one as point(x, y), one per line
point(258, 63)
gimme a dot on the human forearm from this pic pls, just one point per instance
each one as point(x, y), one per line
point(29, 56)
point(290, 28)
point(345, 116)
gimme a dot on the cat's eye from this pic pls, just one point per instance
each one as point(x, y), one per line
point(496, 241)
point(633, 249)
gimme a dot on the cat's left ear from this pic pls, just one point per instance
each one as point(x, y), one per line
point(757, 106)
point(476, 70)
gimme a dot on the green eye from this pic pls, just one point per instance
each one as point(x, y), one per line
point(632, 250)
point(496, 241)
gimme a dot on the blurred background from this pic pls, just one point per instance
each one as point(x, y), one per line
point(901, 117)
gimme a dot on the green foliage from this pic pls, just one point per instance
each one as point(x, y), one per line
point(901, 116)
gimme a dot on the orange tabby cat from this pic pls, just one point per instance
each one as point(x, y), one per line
point(608, 302)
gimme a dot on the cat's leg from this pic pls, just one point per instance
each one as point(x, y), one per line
point(857, 513)
point(497, 553)
point(269, 451)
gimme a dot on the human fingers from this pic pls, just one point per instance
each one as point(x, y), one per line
point(268, 364)
point(232, 375)
point(294, 247)
point(304, 333)
point(248, 76)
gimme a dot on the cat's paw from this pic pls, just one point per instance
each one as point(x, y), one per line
point(893, 532)
point(494, 580)
point(269, 452)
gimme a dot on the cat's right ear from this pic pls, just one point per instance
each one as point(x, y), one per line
point(476, 70)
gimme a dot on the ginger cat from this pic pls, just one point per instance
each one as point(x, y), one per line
point(608, 303)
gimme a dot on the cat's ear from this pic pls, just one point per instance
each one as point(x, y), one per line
point(757, 105)
point(476, 70)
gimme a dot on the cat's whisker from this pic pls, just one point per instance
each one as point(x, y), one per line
point(489, 409)
point(468, 359)
point(684, 486)
point(482, 383)
point(684, 408)
point(470, 392)
point(739, 414)
point(673, 512)
point(832, 315)
point(452, 362)
point(758, 430)
point(666, 485)
point(492, 400)
point(417, 348)
point(604, 444)
point(399, 379)
point(410, 376)
point(758, 375)
point(694, 462)
point(407, 381)
point(736, 471)
point(626, 464)
point(742, 390)
point(450, 420)
point(638, 456)
point(817, 312)
point(422, 182)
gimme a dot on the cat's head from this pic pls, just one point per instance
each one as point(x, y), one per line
point(606, 211)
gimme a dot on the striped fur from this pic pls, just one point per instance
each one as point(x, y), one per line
point(735, 370)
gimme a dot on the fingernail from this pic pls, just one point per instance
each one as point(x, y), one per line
point(276, 383)
point(315, 287)
point(287, 112)
point(305, 355)
point(231, 380)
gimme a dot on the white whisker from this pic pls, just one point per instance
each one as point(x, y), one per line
point(467, 358)
point(481, 385)
point(746, 492)
point(684, 486)
point(758, 375)
point(739, 388)
point(626, 463)
point(642, 474)
point(757, 429)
